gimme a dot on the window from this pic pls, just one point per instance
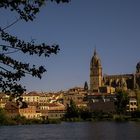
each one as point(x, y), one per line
point(134, 103)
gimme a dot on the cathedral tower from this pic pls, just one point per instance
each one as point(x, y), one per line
point(95, 73)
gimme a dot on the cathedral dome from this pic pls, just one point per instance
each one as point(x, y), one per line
point(95, 59)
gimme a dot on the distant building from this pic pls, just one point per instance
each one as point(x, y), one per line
point(123, 81)
point(11, 109)
point(76, 94)
point(99, 102)
point(133, 103)
point(3, 100)
point(31, 97)
point(30, 112)
point(56, 111)
point(96, 78)
point(132, 106)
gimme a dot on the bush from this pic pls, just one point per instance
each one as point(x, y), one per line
point(3, 117)
point(135, 114)
point(85, 114)
point(53, 121)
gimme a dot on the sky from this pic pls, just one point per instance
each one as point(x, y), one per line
point(112, 26)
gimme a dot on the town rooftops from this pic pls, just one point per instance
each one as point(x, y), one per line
point(33, 93)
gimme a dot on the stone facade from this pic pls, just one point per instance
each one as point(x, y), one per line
point(56, 111)
point(76, 94)
point(101, 102)
point(30, 112)
point(123, 81)
point(132, 106)
point(95, 73)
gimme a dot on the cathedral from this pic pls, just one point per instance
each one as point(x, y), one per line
point(98, 81)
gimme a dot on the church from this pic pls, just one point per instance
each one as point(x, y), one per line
point(109, 83)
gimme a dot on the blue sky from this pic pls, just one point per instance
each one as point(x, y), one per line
point(113, 26)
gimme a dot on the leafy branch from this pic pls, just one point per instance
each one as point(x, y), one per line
point(11, 70)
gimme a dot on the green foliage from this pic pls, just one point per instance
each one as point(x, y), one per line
point(73, 113)
point(77, 119)
point(27, 9)
point(100, 115)
point(6, 120)
point(118, 118)
point(135, 114)
point(53, 121)
point(3, 117)
point(72, 110)
point(121, 102)
point(85, 114)
point(11, 70)
point(20, 119)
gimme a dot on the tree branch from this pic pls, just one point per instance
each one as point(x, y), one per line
point(3, 68)
point(7, 46)
point(11, 52)
point(14, 22)
point(26, 10)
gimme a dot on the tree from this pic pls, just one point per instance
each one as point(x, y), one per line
point(72, 110)
point(85, 113)
point(86, 86)
point(11, 70)
point(121, 102)
point(3, 117)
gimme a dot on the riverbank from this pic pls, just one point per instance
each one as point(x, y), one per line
point(85, 117)
point(23, 121)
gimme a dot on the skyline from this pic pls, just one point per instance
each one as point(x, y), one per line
point(113, 26)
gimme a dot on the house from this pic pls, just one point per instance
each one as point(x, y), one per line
point(11, 109)
point(56, 111)
point(101, 102)
point(31, 97)
point(132, 106)
point(76, 94)
point(3, 100)
point(30, 112)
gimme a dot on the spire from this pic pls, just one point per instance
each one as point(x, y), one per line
point(95, 52)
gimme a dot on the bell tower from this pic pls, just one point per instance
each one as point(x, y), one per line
point(95, 73)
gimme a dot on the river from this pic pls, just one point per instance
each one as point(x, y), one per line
point(73, 131)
